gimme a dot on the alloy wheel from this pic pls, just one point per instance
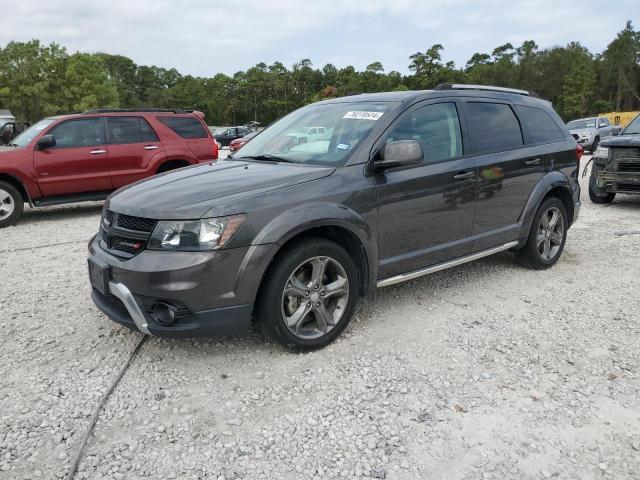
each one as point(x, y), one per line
point(315, 297)
point(550, 233)
point(7, 204)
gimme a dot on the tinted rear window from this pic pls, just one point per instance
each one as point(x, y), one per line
point(494, 126)
point(540, 125)
point(186, 127)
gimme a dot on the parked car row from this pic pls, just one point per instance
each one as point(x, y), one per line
point(328, 203)
point(288, 233)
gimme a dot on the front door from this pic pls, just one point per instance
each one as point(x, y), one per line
point(426, 212)
point(79, 162)
point(133, 146)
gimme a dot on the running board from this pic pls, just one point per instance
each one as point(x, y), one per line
point(443, 266)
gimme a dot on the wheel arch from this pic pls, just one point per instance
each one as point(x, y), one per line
point(345, 227)
point(167, 164)
point(553, 184)
point(17, 183)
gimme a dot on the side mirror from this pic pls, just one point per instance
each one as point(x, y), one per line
point(47, 141)
point(402, 153)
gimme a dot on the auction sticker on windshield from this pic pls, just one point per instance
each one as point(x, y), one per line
point(363, 115)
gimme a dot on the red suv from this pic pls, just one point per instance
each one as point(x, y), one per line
point(75, 158)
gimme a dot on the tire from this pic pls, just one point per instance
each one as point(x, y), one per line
point(599, 199)
point(594, 146)
point(11, 205)
point(293, 309)
point(546, 240)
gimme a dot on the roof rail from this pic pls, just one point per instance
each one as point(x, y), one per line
point(463, 86)
point(130, 110)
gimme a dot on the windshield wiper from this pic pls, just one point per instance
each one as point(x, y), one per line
point(266, 156)
point(12, 144)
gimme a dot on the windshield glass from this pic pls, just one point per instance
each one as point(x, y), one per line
point(32, 132)
point(633, 128)
point(345, 126)
point(577, 124)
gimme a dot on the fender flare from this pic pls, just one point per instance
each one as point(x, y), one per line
point(323, 214)
point(17, 179)
point(551, 180)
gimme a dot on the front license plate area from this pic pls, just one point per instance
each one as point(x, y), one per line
point(99, 275)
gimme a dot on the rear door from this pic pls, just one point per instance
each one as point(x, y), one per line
point(78, 163)
point(133, 147)
point(426, 212)
point(508, 170)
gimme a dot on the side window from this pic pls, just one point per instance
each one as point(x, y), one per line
point(123, 130)
point(604, 122)
point(494, 126)
point(185, 127)
point(148, 135)
point(541, 126)
point(436, 127)
point(86, 132)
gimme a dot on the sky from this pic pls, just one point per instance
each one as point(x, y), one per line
point(205, 37)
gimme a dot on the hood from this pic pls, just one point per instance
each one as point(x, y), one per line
point(622, 141)
point(582, 131)
point(190, 192)
point(7, 152)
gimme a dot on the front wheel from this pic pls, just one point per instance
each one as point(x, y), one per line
point(547, 236)
point(11, 205)
point(309, 295)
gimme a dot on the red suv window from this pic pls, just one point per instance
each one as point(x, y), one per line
point(186, 127)
point(122, 130)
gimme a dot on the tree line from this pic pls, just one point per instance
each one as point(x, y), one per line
point(38, 80)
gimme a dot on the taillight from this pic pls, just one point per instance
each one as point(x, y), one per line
point(579, 152)
point(215, 150)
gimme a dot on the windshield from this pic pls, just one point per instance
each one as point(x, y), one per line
point(633, 128)
point(32, 132)
point(587, 123)
point(346, 125)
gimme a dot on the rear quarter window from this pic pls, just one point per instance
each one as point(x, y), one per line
point(185, 127)
point(541, 126)
point(494, 127)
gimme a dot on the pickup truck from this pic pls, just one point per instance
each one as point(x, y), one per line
point(588, 132)
point(616, 166)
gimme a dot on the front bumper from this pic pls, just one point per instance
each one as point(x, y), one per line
point(618, 182)
point(212, 292)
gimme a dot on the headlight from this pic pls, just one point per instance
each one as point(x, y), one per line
point(195, 235)
point(601, 152)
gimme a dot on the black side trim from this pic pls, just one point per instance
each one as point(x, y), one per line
point(72, 198)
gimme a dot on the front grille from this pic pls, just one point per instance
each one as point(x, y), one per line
point(624, 153)
point(576, 136)
point(124, 235)
point(629, 167)
point(135, 223)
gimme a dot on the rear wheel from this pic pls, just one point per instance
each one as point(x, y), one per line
point(546, 237)
point(309, 296)
point(11, 205)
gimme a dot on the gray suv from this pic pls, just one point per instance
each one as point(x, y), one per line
point(287, 238)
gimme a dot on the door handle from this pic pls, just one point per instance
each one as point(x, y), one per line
point(97, 152)
point(464, 175)
point(151, 147)
point(535, 161)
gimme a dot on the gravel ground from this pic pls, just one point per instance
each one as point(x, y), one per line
point(484, 371)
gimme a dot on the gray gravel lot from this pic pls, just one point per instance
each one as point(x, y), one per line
point(484, 371)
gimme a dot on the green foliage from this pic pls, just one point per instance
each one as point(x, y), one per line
point(38, 80)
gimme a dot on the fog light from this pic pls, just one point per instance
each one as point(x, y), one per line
point(163, 313)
